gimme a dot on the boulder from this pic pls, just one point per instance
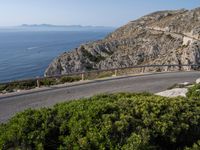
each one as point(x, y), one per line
point(198, 81)
point(174, 92)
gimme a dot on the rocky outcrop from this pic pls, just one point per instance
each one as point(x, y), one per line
point(174, 92)
point(165, 37)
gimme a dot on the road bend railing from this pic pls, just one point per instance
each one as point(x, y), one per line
point(93, 74)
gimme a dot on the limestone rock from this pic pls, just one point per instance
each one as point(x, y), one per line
point(198, 81)
point(174, 92)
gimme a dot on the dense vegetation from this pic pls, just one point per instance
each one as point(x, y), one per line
point(114, 121)
point(194, 92)
point(30, 84)
point(10, 87)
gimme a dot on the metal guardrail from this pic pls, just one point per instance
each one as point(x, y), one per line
point(143, 67)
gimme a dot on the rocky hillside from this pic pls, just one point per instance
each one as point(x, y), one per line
point(164, 37)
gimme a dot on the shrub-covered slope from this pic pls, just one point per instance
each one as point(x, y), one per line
point(116, 121)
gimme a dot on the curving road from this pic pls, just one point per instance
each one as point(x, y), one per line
point(11, 104)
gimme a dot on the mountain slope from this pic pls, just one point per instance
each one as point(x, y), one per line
point(164, 37)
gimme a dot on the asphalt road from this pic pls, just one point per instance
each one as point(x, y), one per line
point(9, 105)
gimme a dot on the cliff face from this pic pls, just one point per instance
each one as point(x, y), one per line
point(165, 37)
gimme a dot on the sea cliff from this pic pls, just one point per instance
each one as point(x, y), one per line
point(164, 37)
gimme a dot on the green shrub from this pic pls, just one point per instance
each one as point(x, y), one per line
point(48, 81)
point(21, 85)
point(30, 84)
point(115, 121)
point(25, 84)
point(196, 146)
point(2, 87)
point(69, 79)
point(94, 58)
point(105, 74)
point(194, 92)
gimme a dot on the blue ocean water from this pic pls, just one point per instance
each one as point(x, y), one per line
point(27, 54)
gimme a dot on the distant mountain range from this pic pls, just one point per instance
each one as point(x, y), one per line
point(62, 26)
point(50, 27)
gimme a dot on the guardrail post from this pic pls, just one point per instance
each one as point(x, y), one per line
point(38, 82)
point(189, 68)
point(82, 76)
point(168, 68)
point(115, 73)
point(143, 69)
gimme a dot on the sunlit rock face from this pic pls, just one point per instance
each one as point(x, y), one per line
point(165, 37)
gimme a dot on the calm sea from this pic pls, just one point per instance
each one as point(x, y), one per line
point(27, 54)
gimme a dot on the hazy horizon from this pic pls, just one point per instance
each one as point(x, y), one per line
point(85, 13)
point(55, 25)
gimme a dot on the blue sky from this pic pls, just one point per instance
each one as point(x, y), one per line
point(83, 12)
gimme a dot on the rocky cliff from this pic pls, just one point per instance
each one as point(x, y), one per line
point(164, 37)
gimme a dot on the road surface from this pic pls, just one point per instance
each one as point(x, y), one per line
point(9, 105)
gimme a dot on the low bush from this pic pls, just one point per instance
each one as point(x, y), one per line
point(48, 82)
point(30, 84)
point(69, 79)
point(194, 92)
point(196, 146)
point(10, 87)
point(114, 121)
point(105, 74)
point(24, 85)
point(95, 58)
point(2, 87)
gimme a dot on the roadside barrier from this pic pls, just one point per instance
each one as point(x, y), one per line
point(115, 72)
